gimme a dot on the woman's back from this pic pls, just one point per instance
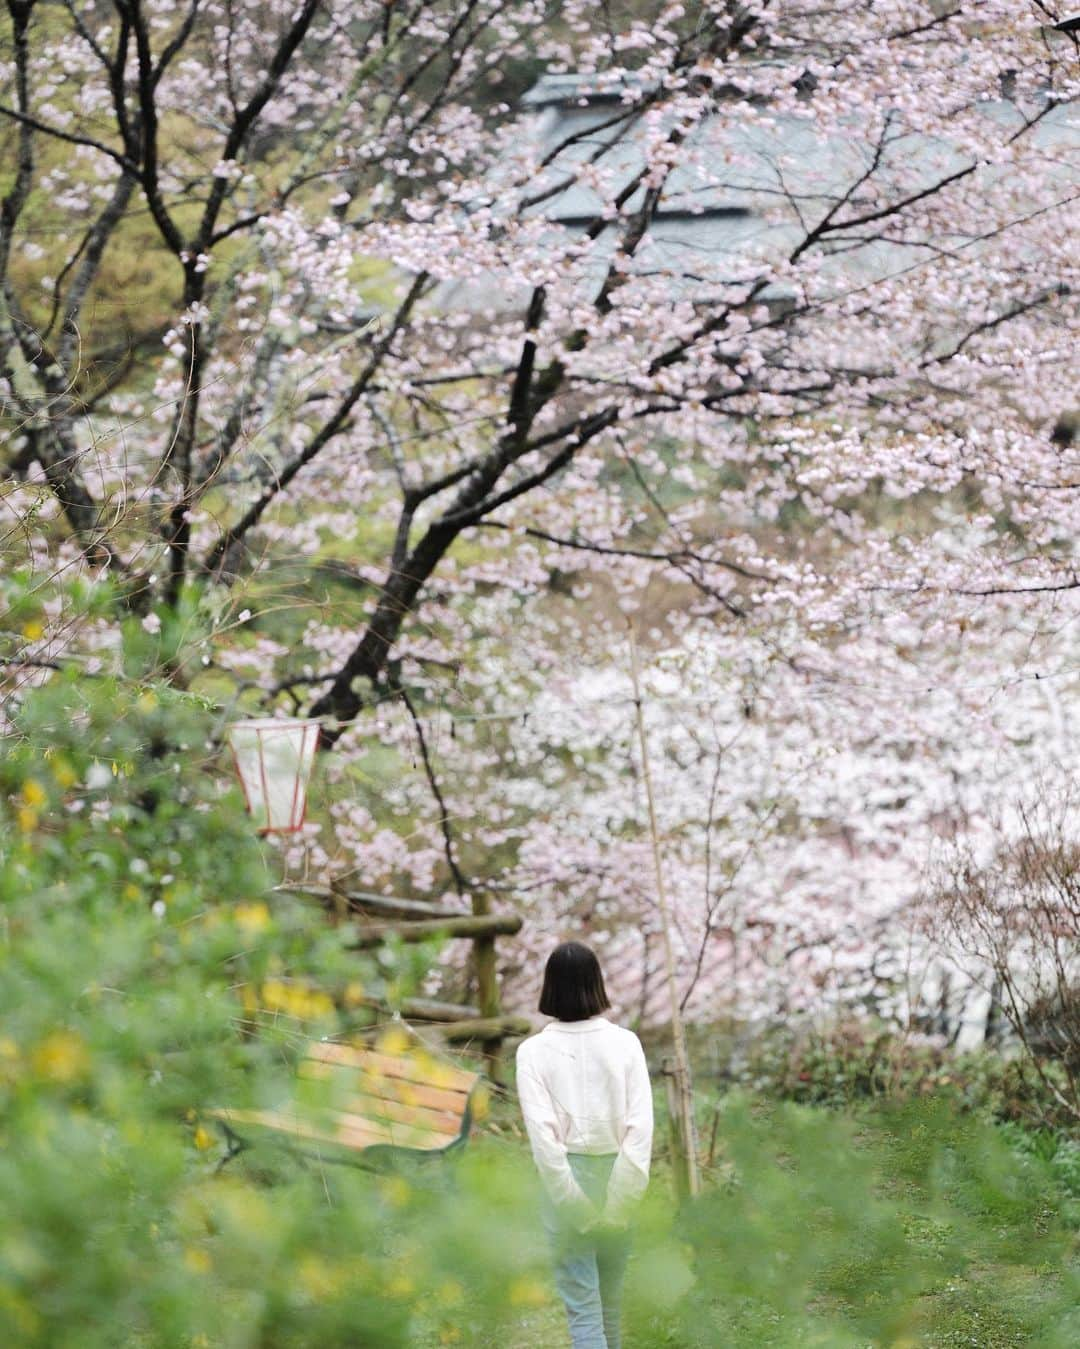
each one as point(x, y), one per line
point(587, 1069)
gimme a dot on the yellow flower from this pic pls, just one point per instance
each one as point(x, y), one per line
point(61, 1057)
point(319, 1005)
point(449, 1293)
point(275, 996)
point(33, 631)
point(395, 1190)
point(245, 1210)
point(400, 1286)
point(9, 1059)
point(197, 1260)
point(131, 891)
point(527, 1292)
point(242, 1210)
point(203, 1138)
point(481, 1102)
point(19, 1310)
point(393, 1041)
point(298, 1000)
point(252, 918)
point(354, 994)
point(318, 1278)
point(34, 797)
point(63, 772)
point(441, 1075)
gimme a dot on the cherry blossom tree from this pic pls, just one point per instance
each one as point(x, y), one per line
point(368, 388)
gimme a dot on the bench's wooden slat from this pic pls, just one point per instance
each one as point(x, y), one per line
point(345, 1130)
point(422, 1069)
point(421, 1135)
point(297, 1126)
point(414, 1094)
point(420, 1117)
point(360, 1082)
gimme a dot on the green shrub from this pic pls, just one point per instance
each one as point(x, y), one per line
point(901, 1224)
point(852, 1061)
point(145, 978)
point(148, 974)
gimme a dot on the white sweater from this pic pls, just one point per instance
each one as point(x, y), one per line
point(584, 1087)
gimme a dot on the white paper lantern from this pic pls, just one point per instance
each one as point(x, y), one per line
point(274, 759)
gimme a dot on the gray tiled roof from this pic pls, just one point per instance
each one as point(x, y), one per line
point(758, 175)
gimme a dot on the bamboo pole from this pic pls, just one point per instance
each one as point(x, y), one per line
point(681, 1093)
point(484, 1029)
point(476, 927)
point(424, 1009)
point(365, 902)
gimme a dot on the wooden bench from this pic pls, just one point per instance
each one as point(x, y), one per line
point(367, 1106)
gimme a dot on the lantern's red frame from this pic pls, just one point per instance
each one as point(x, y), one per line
point(261, 729)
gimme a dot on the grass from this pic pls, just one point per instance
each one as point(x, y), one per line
point(901, 1227)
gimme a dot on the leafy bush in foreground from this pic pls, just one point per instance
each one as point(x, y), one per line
point(139, 953)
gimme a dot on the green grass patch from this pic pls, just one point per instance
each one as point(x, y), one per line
point(897, 1227)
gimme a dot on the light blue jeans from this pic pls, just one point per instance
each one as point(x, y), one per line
point(589, 1266)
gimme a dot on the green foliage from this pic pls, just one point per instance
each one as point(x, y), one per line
point(144, 980)
point(905, 1226)
point(854, 1061)
point(147, 976)
point(873, 1229)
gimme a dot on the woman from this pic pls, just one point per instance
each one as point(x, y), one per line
point(587, 1103)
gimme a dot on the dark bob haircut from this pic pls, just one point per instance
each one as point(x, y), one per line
point(573, 984)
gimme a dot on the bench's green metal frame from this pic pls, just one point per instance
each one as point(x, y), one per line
point(381, 1158)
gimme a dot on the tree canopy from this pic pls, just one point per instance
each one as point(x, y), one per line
point(370, 386)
